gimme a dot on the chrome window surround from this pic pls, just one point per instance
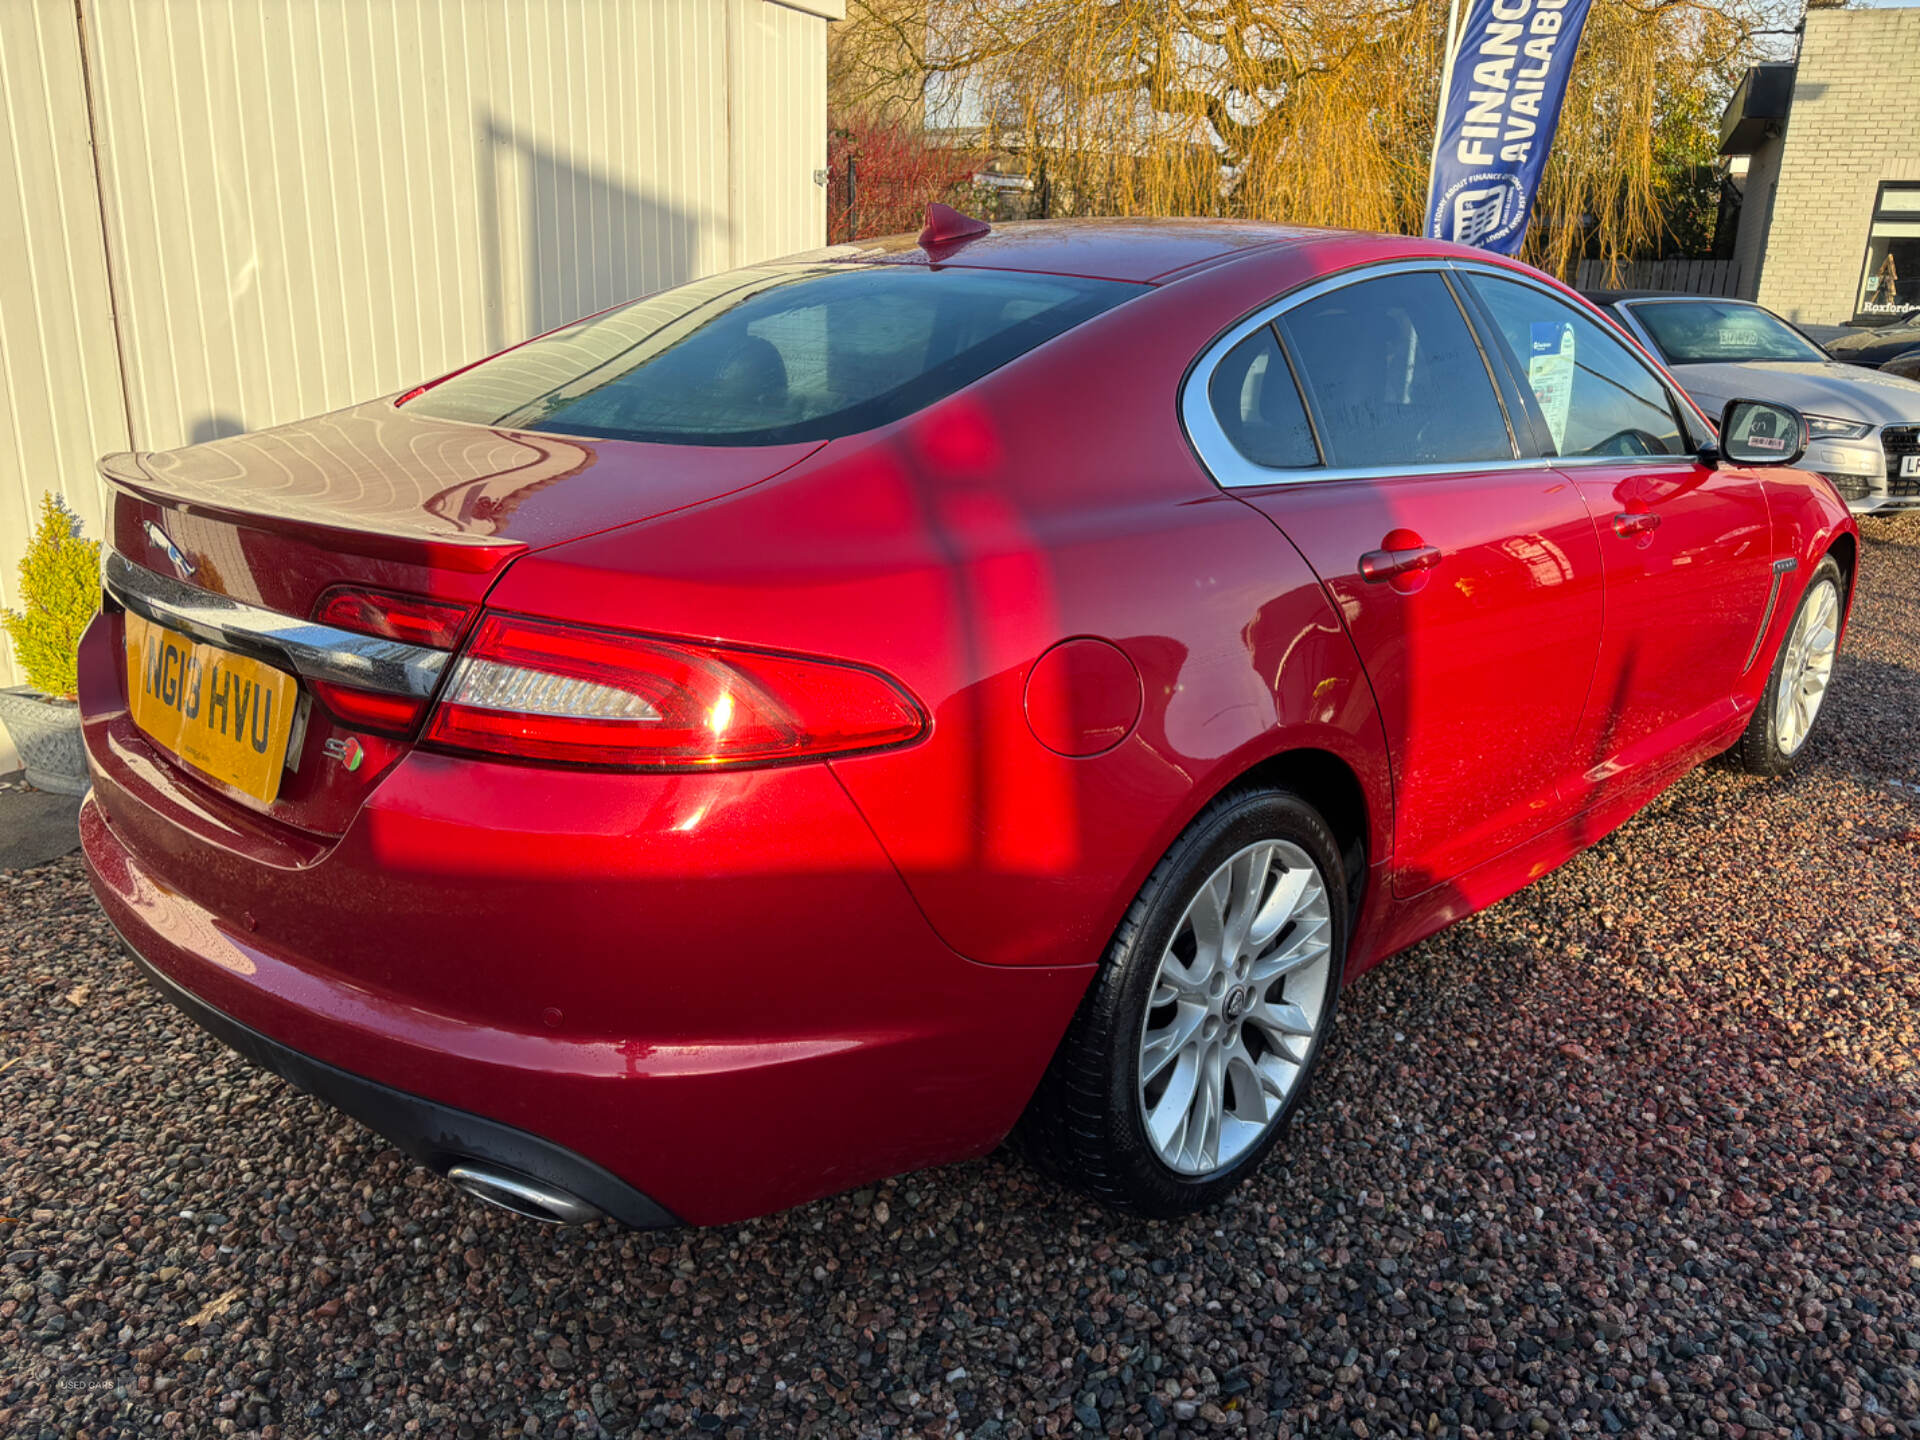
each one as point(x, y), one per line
point(1231, 470)
point(319, 652)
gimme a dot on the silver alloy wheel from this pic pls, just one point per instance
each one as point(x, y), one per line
point(1236, 1003)
point(1808, 666)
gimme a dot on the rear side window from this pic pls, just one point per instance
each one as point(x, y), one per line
point(773, 355)
point(1395, 376)
point(1596, 398)
point(1258, 405)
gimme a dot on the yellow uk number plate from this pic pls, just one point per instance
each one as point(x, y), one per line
point(222, 713)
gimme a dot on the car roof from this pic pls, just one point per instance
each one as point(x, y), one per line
point(1137, 250)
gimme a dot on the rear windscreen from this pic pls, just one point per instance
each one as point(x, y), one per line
point(1705, 332)
point(773, 355)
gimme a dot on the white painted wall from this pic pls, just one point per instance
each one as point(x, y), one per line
point(299, 204)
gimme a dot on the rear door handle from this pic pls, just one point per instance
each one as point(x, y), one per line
point(1380, 565)
point(1635, 522)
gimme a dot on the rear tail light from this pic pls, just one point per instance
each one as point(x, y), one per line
point(410, 619)
point(534, 690)
point(434, 623)
point(374, 710)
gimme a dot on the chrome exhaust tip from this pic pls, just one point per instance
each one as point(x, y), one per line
point(525, 1197)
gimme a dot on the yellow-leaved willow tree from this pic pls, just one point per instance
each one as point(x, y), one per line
point(1310, 111)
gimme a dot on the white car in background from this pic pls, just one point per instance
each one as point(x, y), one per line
point(1866, 424)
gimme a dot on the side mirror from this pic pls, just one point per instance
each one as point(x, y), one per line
point(1759, 432)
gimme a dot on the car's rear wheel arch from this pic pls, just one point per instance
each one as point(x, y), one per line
point(1082, 1125)
point(1330, 785)
point(1325, 781)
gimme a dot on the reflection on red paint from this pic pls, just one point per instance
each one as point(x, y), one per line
point(957, 440)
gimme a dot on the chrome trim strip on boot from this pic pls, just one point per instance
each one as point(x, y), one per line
point(319, 652)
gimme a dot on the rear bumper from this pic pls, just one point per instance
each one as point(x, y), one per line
point(715, 987)
point(438, 1136)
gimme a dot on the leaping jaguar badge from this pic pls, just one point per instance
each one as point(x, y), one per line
point(164, 542)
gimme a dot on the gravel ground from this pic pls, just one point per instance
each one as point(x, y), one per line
point(1636, 1152)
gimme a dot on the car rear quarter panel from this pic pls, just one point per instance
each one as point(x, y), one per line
point(1055, 499)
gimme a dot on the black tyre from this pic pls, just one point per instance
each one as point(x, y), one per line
point(1797, 685)
point(1199, 1036)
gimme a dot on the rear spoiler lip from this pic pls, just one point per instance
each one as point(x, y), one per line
point(469, 554)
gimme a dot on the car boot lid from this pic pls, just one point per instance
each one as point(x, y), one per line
point(474, 496)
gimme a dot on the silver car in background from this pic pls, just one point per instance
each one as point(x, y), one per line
point(1866, 424)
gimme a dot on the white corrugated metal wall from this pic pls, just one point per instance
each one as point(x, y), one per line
point(60, 397)
point(299, 204)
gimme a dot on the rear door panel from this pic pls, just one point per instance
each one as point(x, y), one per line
point(1481, 657)
point(1482, 665)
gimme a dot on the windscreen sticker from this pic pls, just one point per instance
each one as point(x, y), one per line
point(1550, 373)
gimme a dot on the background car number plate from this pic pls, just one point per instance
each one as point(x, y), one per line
point(222, 713)
point(1910, 464)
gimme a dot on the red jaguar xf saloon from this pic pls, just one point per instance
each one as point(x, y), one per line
point(819, 720)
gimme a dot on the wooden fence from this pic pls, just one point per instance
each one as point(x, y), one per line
point(1692, 277)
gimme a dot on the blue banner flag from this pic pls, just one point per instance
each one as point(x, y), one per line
point(1499, 107)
